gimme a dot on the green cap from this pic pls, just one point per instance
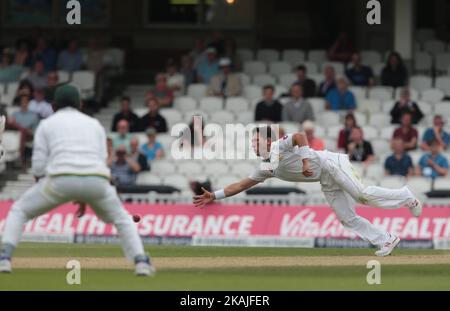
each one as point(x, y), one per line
point(67, 92)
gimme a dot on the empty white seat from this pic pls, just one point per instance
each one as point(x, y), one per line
point(392, 182)
point(331, 145)
point(85, 81)
point(252, 92)
point(148, 178)
point(279, 68)
point(163, 167)
point(319, 131)
point(423, 61)
point(63, 76)
point(245, 55)
point(339, 67)
point(166, 140)
point(329, 118)
point(287, 80)
point(178, 181)
point(140, 111)
point(280, 90)
point(375, 171)
point(359, 92)
point(419, 185)
point(387, 106)
point(425, 107)
point(185, 103)
point(387, 132)
point(317, 56)
point(381, 93)
point(290, 127)
point(421, 82)
point(317, 78)
point(317, 104)
point(442, 108)
point(370, 57)
point(216, 167)
point(188, 115)
point(197, 91)
point(245, 79)
point(211, 104)
point(333, 131)
point(236, 104)
point(245, 117)
point(115, 57)
point(370, 132)
point(369, 105)
point(379, 120)
point(311, 67)
point(442, 62)
point(378, 69)
point(442, 184)
point(361, 118)
point(190, 167)
point(172, 116)
point(432, 95)
point(263, 79)
point(293, 57)
point(380, 146)
point(267, 55)
point(443, 83)
point(413, 93)
point(222, 117)
point(416, 155)
point(11, 144)
point(434, 46)
point(224, 181)
point(253, 68)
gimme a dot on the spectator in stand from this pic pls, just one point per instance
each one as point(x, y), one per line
point(71, 59)
point(22, 54)
point(230, 53)
point(407, 132)
point(52, 85)
point(342, 49)
point(9, 72)
point(225, 84)
point(360, 150)
point(153, 149)
point(188, 70)
point(345, 133)
point(175, 80)
point(314, 142)
point(197, 53)
point(340, 98)
point(208, 67)
point(438, 133)
point(124, 169)
point(405, 104)
point(394, 74)
point(39, 105)
point(433, 164)
point(37, 76)
point(25, 122)
point(399, 163)
point(359, 74)
point(308, 85)
point(45, 53)
point(25, 88)
point(217, 42)
point(329, 83)
point(297, 109)
point(161, 91)
point(123, 136)
point(126, 113)
point(153, 119)
point(137, 156)
point(95, 56)
point(269, 109)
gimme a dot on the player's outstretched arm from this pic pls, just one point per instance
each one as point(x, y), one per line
point(301, 140)
point(229, 191)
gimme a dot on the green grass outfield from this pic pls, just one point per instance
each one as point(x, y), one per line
point(410, 276)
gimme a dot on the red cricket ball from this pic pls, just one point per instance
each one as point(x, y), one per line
point(136, 218)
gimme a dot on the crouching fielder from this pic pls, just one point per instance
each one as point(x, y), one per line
point(69, 162)
point(291, 159)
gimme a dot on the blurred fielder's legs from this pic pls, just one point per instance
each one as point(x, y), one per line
point(48, 193)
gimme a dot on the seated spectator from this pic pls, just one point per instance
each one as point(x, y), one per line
point(161, 91)
point(314, 142)
point(153, 119)
point(40, 106)
point(22, 53)
point(95, 56)
point(52, 85)
point(342, 49)
point(71, 59)
point(269, 109)
point(360, 150)
point(340, 98)
point(9, 72)
point(126, 113)
point(407, 133)
point(359, 74)
point(45, 53)
point(25, 122)
point(345, 133)
point(399, 163)
point(37, 76)
point(297, 109)
point(188, 70)
point(175, 80)
point(197, 54)
point(226, 83)
point(433, 164)
point(208, 67)
point(405, 104)
point(25, 88)
point(123, 136)
point(394, 74)
point(152, 150)
point(137, 156)
point(123, 169)
point(329, 83)
point(438, 133)
point(308, 85)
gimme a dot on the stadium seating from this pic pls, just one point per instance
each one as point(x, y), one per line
point(85, 81)
point(293, 57)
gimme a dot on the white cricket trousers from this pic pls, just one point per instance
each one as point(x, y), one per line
point(50, 192)
point(342, 188)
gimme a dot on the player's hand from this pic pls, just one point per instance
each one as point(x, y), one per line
point(81, 209)
point(206, 198)
point(307, 172)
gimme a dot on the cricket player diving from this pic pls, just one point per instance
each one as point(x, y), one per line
point(291, 159)
point(69, 163)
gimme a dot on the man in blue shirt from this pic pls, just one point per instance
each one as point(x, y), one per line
point(358, 74)
point(71, 59)
point(433, 164)
point(340, 98)
point(438, 133)
point(208, 66)
point(399, 163)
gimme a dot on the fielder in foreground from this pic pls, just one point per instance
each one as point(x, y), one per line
point(291, 159)
point(69, 162)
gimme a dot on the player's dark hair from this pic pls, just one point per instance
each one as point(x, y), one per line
point(269, 87)
point(265, 132)
point(302, 68)
point(125, 98)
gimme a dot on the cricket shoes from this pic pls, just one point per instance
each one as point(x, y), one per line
point(5, 265)
point(388, 247)
point(143, 267)
point(414, 205)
